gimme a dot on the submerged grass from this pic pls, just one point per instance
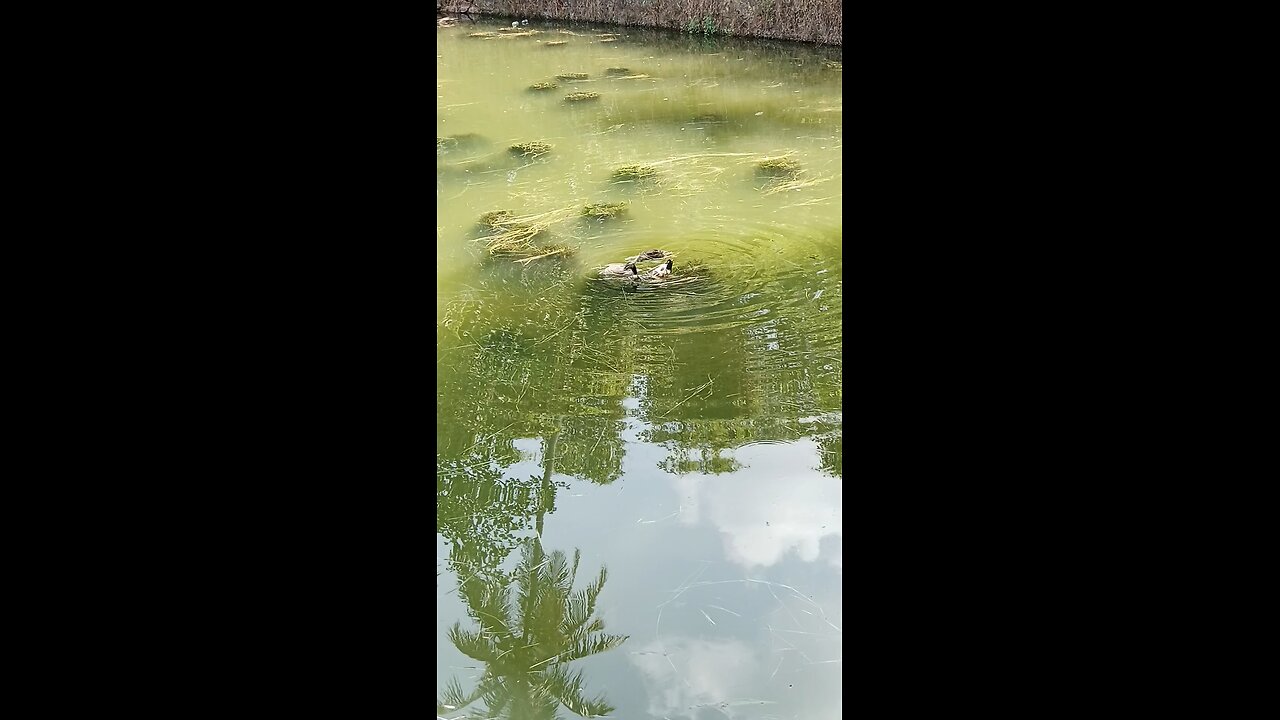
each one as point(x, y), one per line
point(740, 112)
point(684, 174)
point(522, 237)
point(461, 140)
point(793, 184)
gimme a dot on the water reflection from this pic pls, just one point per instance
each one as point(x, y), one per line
point(527, 635)
point(689, 435)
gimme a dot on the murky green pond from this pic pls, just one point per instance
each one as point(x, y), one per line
point(639, 480)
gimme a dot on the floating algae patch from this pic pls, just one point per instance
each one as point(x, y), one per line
point(782, 174)
point(534, 147)
point(495, 218)
point(581, 96)
point(543, 86)
point(482, 34)
point(604, 210)
point(778, 167)
point(572, 76)
point(524, 238)
point(634, 172)
point(556, 43)
point(513, 238)
point(834, 65)
point(617, 71)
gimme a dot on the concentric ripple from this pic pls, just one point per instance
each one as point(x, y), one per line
point(738, 277)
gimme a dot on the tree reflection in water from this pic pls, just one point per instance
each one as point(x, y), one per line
point(527, 637)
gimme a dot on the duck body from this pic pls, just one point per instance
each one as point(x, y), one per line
point(619, 270)
point(661, 271)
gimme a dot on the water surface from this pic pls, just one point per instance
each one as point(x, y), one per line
point(639, 484)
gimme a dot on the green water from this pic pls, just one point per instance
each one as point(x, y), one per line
point(639, 482)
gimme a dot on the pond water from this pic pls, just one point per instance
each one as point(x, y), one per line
point(639, 481)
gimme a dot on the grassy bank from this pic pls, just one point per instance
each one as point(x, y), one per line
point(818, 21)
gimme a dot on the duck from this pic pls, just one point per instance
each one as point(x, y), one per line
point(619, 270)
point(660, 271)
point(648, 255)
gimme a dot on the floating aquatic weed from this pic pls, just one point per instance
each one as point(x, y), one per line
point(522, 236)
point(495, 218)
point(834, 65)
point(634, 172)
point(572, 76)
point(580, 96)
point(534, 147)
point(604, 210)
point(512, 238)
point(780, 166)
point(617, 71)
point(482, 34)
point(543, 86)
point(556, 43)
point(605, 40)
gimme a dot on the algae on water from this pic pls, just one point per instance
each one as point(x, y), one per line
point(534, 147)
point(778, 167)
point(604, 210)
point(495, 218)
point(634, 172)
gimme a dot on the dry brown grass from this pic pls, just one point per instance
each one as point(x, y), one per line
point(819, 21)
